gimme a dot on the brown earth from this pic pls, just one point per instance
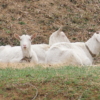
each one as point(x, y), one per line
point(80, 19)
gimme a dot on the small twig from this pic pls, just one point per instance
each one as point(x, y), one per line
point(35, 89)
point(36, 92)
point(82, 94)
point(32, 86)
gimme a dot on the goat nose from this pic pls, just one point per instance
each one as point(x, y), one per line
point(24, 46)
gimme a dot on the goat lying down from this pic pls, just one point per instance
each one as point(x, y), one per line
point(25, 52)
point(19, 53)
point(79, 53)
point(35, 53)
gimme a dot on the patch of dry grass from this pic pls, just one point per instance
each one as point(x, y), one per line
point(16, 65)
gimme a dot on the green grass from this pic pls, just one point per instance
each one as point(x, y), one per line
point(22, 23)
point(68, 82)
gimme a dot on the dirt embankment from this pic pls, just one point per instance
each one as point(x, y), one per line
point(80, 19)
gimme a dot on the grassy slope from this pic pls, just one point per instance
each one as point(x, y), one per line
point(65, 83)
point(80, 19)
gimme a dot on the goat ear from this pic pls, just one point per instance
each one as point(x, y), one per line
point(17, 36)
point(97, 36)
point(33, 36)
point(98, 32)
point(59, 30)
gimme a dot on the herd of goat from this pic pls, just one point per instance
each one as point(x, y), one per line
point(59, 50)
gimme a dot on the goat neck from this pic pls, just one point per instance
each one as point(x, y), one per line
point(27, 52)
point(93, 46)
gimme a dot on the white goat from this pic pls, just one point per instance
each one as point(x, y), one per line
point(58, 36)
point(40, 50)
point(14, 54)
point(27, 51)
point(79, 53)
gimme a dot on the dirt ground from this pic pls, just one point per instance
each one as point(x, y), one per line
point(79, 18)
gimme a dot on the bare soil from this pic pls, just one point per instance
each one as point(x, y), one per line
point(80, 19)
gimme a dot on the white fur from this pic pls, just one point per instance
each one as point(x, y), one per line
point(74, 53)
point(10, 54)
point(40, 50)
point(58, 36)
point(14, 54)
